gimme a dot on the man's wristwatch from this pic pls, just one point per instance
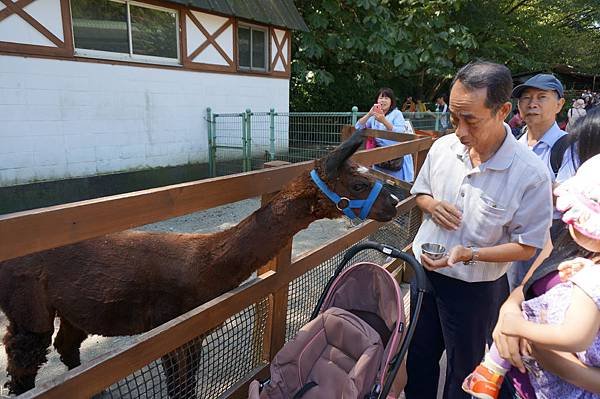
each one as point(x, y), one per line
point(474, 256)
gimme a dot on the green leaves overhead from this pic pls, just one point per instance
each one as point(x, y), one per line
point(415, 46)
point(357, 43)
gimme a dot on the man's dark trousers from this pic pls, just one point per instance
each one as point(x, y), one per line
point(457, 316)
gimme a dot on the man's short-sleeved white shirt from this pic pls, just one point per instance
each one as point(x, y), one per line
point(506, 199)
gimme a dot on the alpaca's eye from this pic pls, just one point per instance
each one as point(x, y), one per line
point(359, 187)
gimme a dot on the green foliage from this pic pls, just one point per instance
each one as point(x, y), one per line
point(415, 46)
point(536, 34)
point(355, 46)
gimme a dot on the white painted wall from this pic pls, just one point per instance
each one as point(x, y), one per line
point(63, 119)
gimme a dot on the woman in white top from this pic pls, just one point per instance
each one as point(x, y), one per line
point(384, 115)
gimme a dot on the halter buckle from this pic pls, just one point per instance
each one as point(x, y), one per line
point(342, 199)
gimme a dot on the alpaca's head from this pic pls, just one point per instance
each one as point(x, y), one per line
point(348, 179)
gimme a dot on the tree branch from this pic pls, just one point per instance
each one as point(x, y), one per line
point(571, 19)
point(516, 6)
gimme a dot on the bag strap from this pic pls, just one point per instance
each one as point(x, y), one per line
point(307, 387)
point(523, 131)
point(557, 153)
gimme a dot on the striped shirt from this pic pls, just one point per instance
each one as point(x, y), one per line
point(506, 199)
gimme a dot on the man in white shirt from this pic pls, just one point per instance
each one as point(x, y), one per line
point(488, 200)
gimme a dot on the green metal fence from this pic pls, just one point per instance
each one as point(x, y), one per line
point(241, 142)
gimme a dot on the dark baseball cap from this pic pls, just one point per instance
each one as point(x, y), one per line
point(543, 81)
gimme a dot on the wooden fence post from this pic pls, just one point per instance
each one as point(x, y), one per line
point(420, 160)
point(274, 336)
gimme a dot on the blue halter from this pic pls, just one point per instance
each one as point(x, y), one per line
point(364, 205)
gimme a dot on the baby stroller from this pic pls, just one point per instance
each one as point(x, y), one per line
point(349, 349)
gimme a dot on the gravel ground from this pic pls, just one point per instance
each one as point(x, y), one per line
point(214, 219)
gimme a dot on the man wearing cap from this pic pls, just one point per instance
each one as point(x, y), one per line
point(540, 99)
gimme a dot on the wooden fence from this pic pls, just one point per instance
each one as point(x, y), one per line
point(31, 231)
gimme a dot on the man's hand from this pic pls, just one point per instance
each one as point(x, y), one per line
point(445, 215)
point(432, 265)
point(457, 254)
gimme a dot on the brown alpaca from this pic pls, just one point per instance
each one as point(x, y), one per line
point(130, 282)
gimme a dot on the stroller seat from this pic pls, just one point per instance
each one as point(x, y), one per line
point(337, 353)
point(375, 322)
point(355, 342)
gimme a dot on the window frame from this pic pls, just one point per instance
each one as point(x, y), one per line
point(131, 57)
point(267, 31)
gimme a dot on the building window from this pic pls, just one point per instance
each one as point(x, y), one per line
point(252, 48)
point(125, 30)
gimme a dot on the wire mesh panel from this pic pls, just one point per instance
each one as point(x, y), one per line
point(229, 143)
point(202, 368)
point(265, 138)
point(295, 136)
point(304, 292)
point(245, 141)
point(422, 120)
point(311, 135)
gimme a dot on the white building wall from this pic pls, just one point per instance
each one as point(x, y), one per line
point(64, 119)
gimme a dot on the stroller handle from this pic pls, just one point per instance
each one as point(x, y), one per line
point(422, 284)
point(394, 253)
point(421, 277)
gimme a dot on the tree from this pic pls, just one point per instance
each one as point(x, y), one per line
point(535, 34)
point(355, 46)
point(415, 46)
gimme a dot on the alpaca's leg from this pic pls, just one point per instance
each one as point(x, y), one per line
point(181, 368)
point(67, 343)
point(193, 351)
point(26, 352)
point(170, 366)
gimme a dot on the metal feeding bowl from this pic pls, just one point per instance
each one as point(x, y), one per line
point(433, 251)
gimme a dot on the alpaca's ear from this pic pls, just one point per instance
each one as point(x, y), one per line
point(335, 160)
